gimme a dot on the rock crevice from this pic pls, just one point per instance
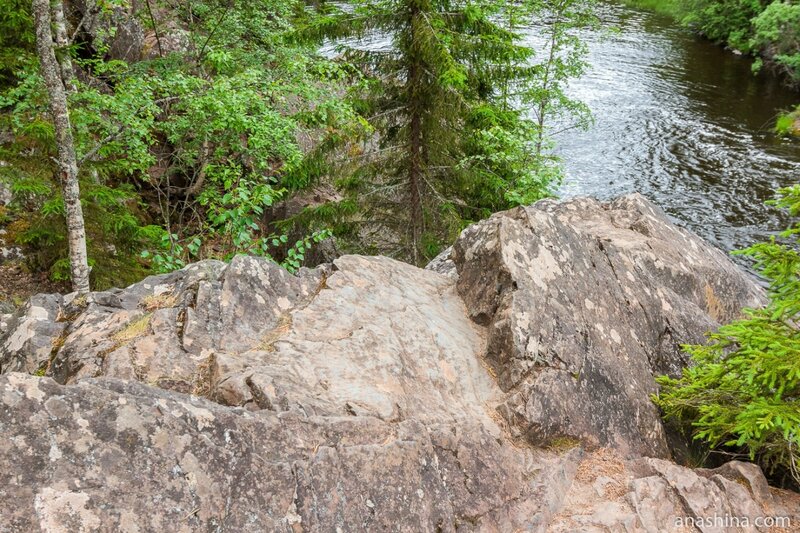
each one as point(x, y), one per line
point(488, 392)
point(583, 303)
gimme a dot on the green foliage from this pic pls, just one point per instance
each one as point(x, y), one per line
point(17, 39)
point(777, 29)
point(296, 254)
point(112, 209)
point(788, 123)
point(182, 154)
point(727, 21)
point(743, 391)
point(452, 104)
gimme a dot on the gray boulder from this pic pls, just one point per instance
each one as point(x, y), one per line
point(373, 395)
point(113, 455)
point(120, 33)
point(117, 29)
point(583, 303)
point(609, 493)
point(33, 335)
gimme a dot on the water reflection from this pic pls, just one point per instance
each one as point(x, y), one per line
point(678, 119)
point(683, 122)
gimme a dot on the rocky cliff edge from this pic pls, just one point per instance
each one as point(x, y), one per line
point(505, 387)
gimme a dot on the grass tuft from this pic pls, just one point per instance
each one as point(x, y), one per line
point(133, 330)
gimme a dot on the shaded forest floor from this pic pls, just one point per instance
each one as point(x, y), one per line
point(19, 283)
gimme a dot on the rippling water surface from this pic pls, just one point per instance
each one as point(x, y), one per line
point(680, 120)
point(685, 123)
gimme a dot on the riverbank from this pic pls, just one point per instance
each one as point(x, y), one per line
point(764, 32)
point(789, 123)
point(663, 7)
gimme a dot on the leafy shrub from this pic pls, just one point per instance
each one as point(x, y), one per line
point(743, 392)
point(788, 123)
point(727, 21)
point(182, 155)
point(777, 29)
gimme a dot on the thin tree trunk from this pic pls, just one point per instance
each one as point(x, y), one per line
point(62, 45)
point(540, 115)
point(67, 160)
point(416, 141)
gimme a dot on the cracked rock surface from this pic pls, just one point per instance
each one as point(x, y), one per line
point(583, 303)
point(370, 395)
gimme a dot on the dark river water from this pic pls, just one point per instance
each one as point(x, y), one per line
point(683, 122)
point(680, 120)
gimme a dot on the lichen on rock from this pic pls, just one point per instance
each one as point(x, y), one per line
point(373, 395)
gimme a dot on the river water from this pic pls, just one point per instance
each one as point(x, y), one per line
point(683, 122)
point(678, 119)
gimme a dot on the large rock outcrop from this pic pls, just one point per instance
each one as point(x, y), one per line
point(117, 29)
point(373, 395)
point(583, 303)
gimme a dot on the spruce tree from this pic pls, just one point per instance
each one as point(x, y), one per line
point(445, 149)
point(742, 394)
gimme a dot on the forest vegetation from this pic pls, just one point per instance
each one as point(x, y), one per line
point(210, 139)
point(137, 137)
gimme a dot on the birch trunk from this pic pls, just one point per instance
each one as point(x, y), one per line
point(62, 44)
point(53, 76)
